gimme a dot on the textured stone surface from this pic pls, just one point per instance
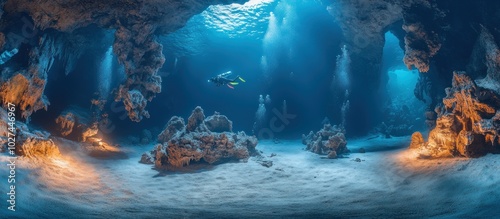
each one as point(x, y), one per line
point(25, 88)
point(196, 121)
point(76, 123)
point(33, 143)
point(174, 125)
point(180, 144)
point(329, 141)
point(66, 122)
point(218, 123)
point(468, 122)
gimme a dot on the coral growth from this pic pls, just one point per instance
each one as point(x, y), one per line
point(467, 125)
point(182, 144)
point(328, 141)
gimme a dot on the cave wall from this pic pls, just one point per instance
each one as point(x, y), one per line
point(137, 24)
point(438, 37)
point(363, 29)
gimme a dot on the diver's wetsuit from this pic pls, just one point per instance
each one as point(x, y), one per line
point(220, 80)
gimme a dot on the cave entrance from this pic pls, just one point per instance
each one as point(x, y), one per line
point(402, 111)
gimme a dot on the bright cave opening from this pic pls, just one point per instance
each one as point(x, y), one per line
point(403, 112)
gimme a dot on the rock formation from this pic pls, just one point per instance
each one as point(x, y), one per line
point(174, 125)
point(328, 141)
point(66, 122)
point(429, 32)
point(182, 144)
point(34, 143)
point(196, 121)
point(29, 143)
point(76, 124)
point(219, 123)
point(137, 24)
point(468, 122)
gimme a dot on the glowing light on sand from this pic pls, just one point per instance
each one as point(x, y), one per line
point(61, 162)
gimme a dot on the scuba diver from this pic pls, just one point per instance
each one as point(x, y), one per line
point(222, 79)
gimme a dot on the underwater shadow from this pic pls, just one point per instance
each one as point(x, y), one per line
point(377, 144)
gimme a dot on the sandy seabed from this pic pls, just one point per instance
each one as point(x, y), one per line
point(386, 183)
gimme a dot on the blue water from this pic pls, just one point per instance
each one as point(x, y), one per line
point(287, 50)
point(291, 50)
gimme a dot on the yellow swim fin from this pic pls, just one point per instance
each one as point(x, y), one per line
point(241, 79)
point(234, 83)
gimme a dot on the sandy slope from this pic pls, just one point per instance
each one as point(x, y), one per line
point(386, 183)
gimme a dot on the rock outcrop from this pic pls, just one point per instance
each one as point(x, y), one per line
point(34, 143)
point(328, 141)
point(76, 124)
point(196, 121)
point(25, 88)
point(66, 122)
point(468, 122)
point(174, 125)
point(180, 144)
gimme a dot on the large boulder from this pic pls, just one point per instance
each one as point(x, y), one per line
point(182, 145)
point(329, 141)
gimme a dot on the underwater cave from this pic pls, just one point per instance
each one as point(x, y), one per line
point(249, 109)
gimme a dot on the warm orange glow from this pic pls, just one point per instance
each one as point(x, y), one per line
point(413, 160)
point(66, 173)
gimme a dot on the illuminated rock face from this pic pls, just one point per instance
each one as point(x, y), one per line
point(33, 143)
point(76, 124)
point(182, 144)
point(328, 141)
point(468, 122)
